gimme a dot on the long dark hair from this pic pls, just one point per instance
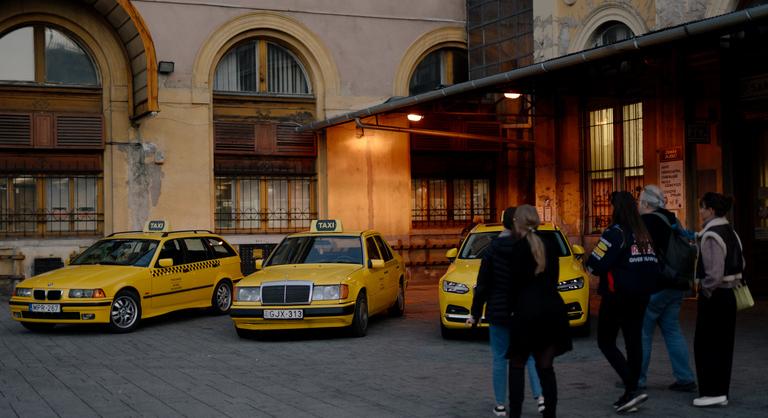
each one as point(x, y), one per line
point(625, 215)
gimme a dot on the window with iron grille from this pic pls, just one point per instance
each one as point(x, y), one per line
point(614, 160)
point(439, 202)
point(51, 205)
point(263, 204)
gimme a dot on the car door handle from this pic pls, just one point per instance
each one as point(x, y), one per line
point(185, 270)
point(386, 271)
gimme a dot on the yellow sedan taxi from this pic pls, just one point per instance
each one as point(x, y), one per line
point(457, 285)
point(323, 278)
point(130, 276)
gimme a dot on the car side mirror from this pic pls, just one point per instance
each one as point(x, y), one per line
point(578, 251)
point(165, 262)
point(375, 264)
point(259, 264)
point(452, 253)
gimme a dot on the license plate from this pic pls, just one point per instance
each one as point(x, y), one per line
point(283, 314)
point(45, 307)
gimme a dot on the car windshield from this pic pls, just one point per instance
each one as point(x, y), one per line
point(476, 244)
point(119, 252)
point(318, 249)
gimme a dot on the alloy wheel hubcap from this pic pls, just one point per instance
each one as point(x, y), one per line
point(124, 312)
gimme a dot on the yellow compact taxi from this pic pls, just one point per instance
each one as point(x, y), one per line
point(130, 276)
point(323, 278)
point(456, 286)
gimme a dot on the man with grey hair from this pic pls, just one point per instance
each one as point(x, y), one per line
point(664, 306)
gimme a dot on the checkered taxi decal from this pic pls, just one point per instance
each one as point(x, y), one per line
point(200, 265)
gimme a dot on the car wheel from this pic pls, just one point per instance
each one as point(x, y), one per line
point(221, 300)
point(398, 308)
point(125, 312)
point(359, 325)
point(38, 326)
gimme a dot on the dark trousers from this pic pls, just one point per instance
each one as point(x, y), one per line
point(544, 359)
point(625, 314)
point(713, 342)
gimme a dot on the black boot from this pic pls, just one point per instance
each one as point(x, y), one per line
point(516, 388)
point(549, 391)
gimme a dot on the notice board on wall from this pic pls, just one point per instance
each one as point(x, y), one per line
point(672, 178)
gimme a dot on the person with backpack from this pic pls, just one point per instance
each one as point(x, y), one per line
point(628, 268)
point(719, 270)
point(664, 306)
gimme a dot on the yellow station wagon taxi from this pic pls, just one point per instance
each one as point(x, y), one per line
point(323, 278)
point(456, 286)
point(129, 276)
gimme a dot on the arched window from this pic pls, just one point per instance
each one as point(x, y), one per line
point(264, 170)
point(45, 55)
point(611, 32)
point(261, 67)
point(439, 69)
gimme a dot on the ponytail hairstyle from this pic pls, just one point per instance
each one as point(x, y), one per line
point(719, 203)
point(526, 221)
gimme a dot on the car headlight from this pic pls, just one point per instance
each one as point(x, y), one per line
point(572, 284)
point(453, 287)
point(86, 293)
point(249, 294)
point(24, 292)
point(330, 292)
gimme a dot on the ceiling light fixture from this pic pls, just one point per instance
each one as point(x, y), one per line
point(512, 95)
point(415, 117)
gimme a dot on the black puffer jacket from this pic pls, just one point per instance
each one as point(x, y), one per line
point(494, 281)
point(507, 266)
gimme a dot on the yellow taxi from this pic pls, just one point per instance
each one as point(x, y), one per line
point(456, 286)
point(130, 276)
point(323, 278)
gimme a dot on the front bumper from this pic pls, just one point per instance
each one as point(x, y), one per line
point(74, 312)
point(333, 316)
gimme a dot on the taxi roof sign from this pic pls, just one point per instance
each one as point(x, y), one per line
point(326, 225)
point(157, 225)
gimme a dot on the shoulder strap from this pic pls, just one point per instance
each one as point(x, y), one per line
point(663, 218)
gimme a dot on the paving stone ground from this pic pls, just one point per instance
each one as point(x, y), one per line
point(190, 364)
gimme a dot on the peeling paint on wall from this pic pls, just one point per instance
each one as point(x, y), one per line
point(144, 180)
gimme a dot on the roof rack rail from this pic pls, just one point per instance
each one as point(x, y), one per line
point(123, 232)
point(165, 234)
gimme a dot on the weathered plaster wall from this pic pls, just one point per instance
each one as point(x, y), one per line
point(369, 183)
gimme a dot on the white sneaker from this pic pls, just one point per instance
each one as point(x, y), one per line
point(540, 402)
point(500, 411)
point(711, 401)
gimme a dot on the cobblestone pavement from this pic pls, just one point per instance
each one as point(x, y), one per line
point(192, 364)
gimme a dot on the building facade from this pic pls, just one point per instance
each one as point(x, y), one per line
point(240, 118)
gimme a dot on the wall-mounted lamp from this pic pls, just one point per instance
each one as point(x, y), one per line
point(165, 67)
point(415, 117)
point(512, 95)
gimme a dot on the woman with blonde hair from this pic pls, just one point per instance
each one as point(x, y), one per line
point(539, 323)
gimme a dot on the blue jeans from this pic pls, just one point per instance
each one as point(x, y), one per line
point(499, 339)
point(664, 310)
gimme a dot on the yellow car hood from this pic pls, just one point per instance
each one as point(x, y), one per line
point(463, 271)
point(81, 277)
point(316, 273)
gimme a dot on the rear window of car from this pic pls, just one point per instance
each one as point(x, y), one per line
point(220, 248)
point(476, 244)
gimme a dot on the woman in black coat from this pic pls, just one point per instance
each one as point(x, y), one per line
point(537, 317)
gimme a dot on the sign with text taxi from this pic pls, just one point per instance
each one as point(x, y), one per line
point(326, 225)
